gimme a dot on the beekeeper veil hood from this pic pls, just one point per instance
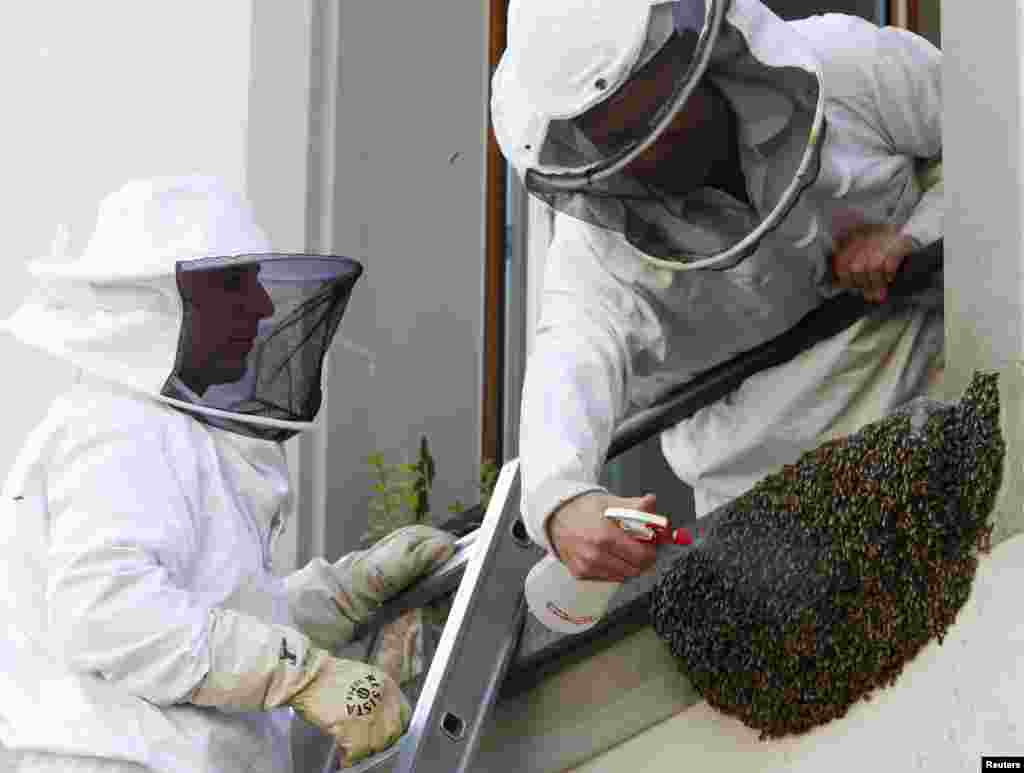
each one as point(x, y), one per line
point(177, 295)
point(588, 91)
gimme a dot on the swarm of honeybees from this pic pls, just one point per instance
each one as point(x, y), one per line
point(814, 588)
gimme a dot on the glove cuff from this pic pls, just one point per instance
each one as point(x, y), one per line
point(255, 665)
point(312, 599)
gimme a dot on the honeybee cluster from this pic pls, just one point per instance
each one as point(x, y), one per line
point(817, 586)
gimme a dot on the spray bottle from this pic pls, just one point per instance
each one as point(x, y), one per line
point(568, 605)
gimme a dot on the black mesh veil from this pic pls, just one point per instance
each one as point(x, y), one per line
point(255, 330)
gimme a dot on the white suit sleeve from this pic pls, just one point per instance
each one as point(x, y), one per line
point(119, 531)
point(892, 79)
point(592, 326)
point(908, 94)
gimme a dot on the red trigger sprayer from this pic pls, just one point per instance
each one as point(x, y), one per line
point(648, 527)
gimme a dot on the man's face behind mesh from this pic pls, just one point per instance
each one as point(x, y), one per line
point(254, 334)
point(223, 308)
point(681, 157)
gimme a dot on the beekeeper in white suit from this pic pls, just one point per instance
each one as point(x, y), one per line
point(716, 173)
point(145, 629)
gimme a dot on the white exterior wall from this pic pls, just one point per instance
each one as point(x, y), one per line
point(95, 94)
point(402, 178)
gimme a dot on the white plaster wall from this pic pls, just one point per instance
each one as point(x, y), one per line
point(94, 94)
point(407, 193)
point(983, 173)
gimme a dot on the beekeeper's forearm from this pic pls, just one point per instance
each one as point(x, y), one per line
point(907, 91)
point(573, 396)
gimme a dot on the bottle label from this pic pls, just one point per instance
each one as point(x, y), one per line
point(572, 620)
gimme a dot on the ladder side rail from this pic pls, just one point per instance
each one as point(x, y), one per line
point(478, 641)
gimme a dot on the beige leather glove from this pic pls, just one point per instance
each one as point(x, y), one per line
point(356, 705)
point(258, 666)
point(328, 601)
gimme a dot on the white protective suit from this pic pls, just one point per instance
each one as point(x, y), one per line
point(616, 330)
point(133, 534)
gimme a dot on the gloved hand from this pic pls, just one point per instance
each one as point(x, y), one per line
point(360, 706)
point(328, 601)
point(258, 666)
point(591, 546)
